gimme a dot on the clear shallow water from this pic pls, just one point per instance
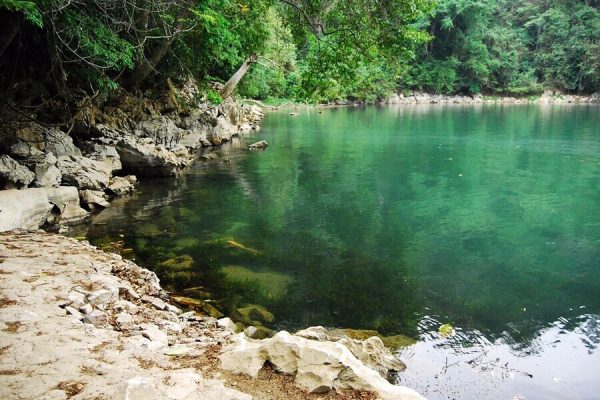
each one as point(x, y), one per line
point(403, 219)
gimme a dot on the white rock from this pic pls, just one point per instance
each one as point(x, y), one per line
point(318, 366)
point(96, 318)
point(153, 333)
point(124, 319)
point(138, 388)
point(156, 302)
point(14, 174)
point(227, 323)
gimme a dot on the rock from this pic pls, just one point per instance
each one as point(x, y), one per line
point(24, 209)
point(317, 366)
point(102, 297)
point(13, 175)
point(73, 213)
point(181, 385)
point(370, 349)
point(153, 333)
point(138, 388)
point(124, 319)
point(258, 145)
point(76, 299)
point(253, 313)
point(93, 199)
point(72, 311)
point(83, 172)
point(104, 153)
point(120, 186)
point(86, 309)
point(156, 302)
point(258, 332)
point(144, 157)
point(59, 143)
point(30, 208)
point(96, 318)
point(228, 324)
point(46, 172)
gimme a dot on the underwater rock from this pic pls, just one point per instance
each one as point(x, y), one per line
point(258, 145)
point(180, 263)
point(119, 186)
point(251, 313)
point(258, 332)
point(198, 305)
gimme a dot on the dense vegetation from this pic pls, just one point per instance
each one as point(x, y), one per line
point(310, 50)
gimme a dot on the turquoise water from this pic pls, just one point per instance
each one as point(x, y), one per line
point(402, 219)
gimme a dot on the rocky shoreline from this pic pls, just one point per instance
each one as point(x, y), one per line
point(52, 177)
point(84, 324)
point(548, 97)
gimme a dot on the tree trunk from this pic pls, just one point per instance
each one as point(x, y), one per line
point(10, 28)
point(147, 65)
point(237, 77)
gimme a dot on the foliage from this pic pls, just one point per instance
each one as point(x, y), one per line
point(28, 8)
point(511, 46)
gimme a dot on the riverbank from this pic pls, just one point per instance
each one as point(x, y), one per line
point(60, 176)
point(81, 323)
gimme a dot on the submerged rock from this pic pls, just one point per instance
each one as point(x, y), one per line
point(253, 313)
point(259, 145)
point(258, 332)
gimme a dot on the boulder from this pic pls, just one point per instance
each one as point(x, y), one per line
point(105, 153)
point(144, 157)
point(371, 351)
point(59, 143)
point(23, 209)
point(31, 208)
point(253, 313)
point(258, 332)
point(83, 172)
point(93, 199)
point(119, 186)
point(228, 324)
point(14, 175)
point(32, 139)
point(46, 172)
point(317, 366)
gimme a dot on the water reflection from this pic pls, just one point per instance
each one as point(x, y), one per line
point(486, 217)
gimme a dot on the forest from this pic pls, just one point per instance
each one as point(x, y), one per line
point(313, 51)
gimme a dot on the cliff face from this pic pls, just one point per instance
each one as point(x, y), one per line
point(106, 147)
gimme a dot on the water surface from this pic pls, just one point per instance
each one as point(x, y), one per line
point(402, 219)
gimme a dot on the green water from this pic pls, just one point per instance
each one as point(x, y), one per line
point(401, 219)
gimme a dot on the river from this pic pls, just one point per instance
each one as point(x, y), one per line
point(473, 229)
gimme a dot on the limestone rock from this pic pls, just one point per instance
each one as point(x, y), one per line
point(258, 332)
point(83, 172)
point(46, 172)
point(120, 186)
point(59, 143)
point(252, 313)
point(96, 318)
point(227, 323)
point(105, 153)
point(318, 366)
point(93, 199)
point(144, 157)
point(23, 209)
point(153, 333)
point(13, 175)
